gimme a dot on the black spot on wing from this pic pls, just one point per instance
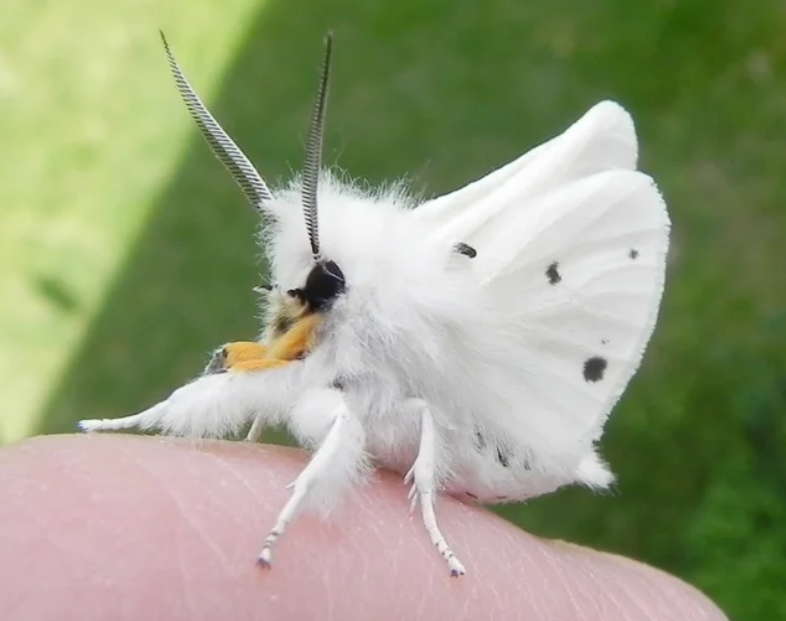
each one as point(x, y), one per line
point(552, 273)
point(502, 457)
point(466, 250)
point(604, 341)
point(594, 368)
point(633, 254)
point(480, 441)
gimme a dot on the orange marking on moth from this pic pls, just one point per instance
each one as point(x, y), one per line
point(298, 340)
point(259, 365)
point(244, 356)
point(242, 351)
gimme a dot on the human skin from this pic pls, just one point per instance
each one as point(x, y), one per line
point(110, 527)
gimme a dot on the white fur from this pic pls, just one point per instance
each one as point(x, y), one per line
point(490, 353)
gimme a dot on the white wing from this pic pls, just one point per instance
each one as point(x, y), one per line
point(580, 273)
point(604, 138)
point(571, 249)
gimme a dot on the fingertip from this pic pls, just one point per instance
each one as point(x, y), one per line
point(122, 526)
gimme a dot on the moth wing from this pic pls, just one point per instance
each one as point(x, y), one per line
point(578, 276)
point(603, 138)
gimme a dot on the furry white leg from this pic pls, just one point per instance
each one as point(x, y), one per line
point(210, 406)
point(337, 462)
point(257, 427)
point(127, 422)
point(421, 475)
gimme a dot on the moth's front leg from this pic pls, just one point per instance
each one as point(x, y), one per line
point(422, 475)
point(213, 405)
point(338, 462)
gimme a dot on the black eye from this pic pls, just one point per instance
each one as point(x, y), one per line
point(466, 250)
point(324, 283)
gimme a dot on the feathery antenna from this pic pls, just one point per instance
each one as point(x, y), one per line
point(225, 149)
point(314, 152)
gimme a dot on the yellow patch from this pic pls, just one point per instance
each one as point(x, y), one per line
point(300, 339)
point(259, 365)
point(243, 351)
point(294, 344)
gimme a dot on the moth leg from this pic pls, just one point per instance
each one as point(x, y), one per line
point(337, 462)
point(127, 422)
point(257, 427)
point(214, 405)
point(421, 475)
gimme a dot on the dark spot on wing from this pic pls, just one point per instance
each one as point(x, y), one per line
point(480, 441)
point(466, 250)
point(604, 341)
point(552, 273)
point(594, 368)
point(471, 495)
point(633, 254)
point(502, 457)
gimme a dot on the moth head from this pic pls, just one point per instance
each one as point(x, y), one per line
point(324, 283)
point(325, 280)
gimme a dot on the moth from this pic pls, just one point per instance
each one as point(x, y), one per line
point(475, 343)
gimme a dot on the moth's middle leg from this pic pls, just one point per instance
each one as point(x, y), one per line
point(338, 461)
point(421, 476)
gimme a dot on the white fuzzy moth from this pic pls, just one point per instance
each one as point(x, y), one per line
point(475, 343)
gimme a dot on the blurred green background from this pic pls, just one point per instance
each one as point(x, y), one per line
point(127, 252)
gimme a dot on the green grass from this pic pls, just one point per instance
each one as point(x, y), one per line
point(439, 92)
point(91, 133)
